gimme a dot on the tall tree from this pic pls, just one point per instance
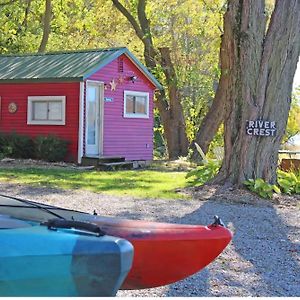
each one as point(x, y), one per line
point(260, 65)
point(46, 28)
point(169, 100)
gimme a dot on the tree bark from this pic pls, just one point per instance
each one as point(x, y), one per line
point(167, 101)
point(261, 65)
point(46, 28)
point(216, 113)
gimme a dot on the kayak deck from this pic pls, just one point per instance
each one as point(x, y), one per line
point(163, 253)
point(36, 261)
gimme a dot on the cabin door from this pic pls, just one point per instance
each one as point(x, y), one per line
point(94, 119)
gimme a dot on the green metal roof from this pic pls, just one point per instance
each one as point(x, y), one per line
point(63, 66)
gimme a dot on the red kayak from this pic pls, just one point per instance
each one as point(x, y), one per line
point(163, 253)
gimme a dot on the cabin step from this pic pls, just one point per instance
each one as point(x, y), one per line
point(111, 159)
point(94, 161)
point(113, 166)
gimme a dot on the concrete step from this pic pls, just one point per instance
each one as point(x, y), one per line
point(111, 159)
point(94, 161)
point(114, 166)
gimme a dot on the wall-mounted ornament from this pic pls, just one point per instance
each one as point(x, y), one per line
point(121, 79)
point(113, 85)
point(12, 107)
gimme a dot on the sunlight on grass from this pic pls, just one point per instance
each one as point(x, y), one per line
point(137, 183)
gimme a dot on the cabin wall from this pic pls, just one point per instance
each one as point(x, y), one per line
point(17, 122)
point(129, 137)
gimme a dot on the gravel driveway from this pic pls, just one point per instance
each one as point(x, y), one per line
point(263, 258)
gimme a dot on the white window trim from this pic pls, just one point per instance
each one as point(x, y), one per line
point(136, 116)
point(32, 99)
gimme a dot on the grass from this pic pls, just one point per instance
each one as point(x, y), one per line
point(137, 183)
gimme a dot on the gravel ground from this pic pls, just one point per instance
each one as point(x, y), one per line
point(263, 258)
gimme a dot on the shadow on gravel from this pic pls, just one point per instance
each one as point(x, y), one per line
point(15, 189)
point(259, 261)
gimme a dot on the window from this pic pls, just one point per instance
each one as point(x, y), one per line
point(136, 104)
point(46, 110)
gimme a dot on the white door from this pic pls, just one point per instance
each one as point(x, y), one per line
point(93, 119)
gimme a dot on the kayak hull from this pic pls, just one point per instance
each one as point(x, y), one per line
point(36, 261)
point(163, 253)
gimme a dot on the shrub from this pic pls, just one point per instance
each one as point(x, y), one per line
point(204, 173)
point(21, 146)
point(289, 182)
point(16, 145)
point(262, 188)
point(50, 148)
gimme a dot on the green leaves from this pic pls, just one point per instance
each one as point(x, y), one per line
point(288, 183)
point(204, 173)
point(262, 188)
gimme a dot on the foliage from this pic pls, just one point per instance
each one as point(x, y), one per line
point(293, 125)
point(50, 148)
point(289, 182)
point(16, 145)
point(204, 173)
point(143, 184)
point(262, 188)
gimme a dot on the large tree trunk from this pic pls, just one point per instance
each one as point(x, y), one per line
point(168, 102)
point(261, 66)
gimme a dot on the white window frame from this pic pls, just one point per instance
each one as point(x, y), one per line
point(131, 115)
point(32, 99)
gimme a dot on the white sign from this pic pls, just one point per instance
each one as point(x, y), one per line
point(261, 128)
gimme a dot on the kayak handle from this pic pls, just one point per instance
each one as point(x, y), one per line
point(218, 221)
point(53, 224)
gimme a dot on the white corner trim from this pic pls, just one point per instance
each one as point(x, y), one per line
point(136, 116)
point(32, 99)
point(80, 125)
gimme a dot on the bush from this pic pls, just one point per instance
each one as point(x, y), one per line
point(262, 188)
point(50, 148)
point(289, 182)
point(16, 145)
point(204, 173)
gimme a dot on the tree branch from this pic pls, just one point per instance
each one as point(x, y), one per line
point(130, 18)
point(8, 2)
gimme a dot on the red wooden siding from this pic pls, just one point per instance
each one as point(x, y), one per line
point(129, 137)
point(19, 92)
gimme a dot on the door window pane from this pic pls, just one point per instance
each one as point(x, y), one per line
point(91, 123)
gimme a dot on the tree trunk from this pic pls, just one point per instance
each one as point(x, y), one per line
point(46, 29)
point(261, 66)
point(168, 102)
point(216, 113)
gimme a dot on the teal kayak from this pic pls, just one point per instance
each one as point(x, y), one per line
point(63, 258)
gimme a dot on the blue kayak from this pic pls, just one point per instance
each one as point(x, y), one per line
point(60, 258)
